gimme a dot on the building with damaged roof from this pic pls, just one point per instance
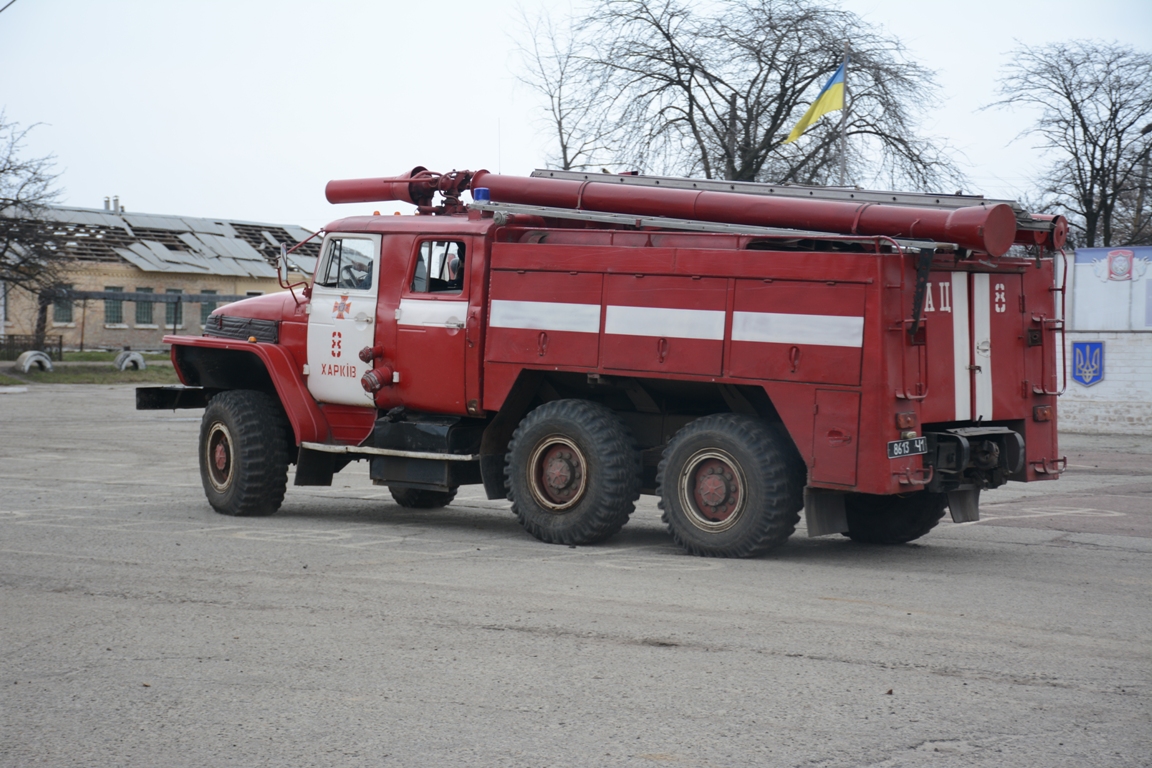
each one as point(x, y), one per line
point(114, 250)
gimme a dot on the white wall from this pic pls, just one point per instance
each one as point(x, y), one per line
point(1122, 402)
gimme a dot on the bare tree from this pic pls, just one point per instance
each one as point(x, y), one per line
point(580, 99)
point(714, 90)
point(28, 257)
point(1095, 99)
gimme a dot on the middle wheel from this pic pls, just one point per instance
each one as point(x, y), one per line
point(573, 472)
point(730, 486)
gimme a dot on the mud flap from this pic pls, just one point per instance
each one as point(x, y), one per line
point(315, 468)
point(824, 512)
point(964, 505)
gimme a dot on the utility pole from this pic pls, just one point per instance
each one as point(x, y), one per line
point(1137, 221)
point(844, 123)
point(730, 171)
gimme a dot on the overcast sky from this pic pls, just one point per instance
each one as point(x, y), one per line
point(244, 109)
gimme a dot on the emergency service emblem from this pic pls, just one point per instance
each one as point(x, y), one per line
point(341, 307)
point(1087, 362)
point(1120, 265)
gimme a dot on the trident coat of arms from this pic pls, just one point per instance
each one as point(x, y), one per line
point(1087, 362)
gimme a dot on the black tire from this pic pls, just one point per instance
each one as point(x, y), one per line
point(893, 519)
point(730, 486)
point(419, 498)
point(244, 453)
point(572, 472)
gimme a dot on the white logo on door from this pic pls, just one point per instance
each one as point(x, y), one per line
point(1001, 299)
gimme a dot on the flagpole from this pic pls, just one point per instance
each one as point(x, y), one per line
point(844, 123)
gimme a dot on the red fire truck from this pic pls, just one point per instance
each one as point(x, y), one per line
point(569, 341)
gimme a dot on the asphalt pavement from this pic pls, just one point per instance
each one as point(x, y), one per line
point(139, 628)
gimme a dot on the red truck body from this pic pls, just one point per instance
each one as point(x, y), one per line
point(900, 350)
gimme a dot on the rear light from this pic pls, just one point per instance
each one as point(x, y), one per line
point(906, 420)
point(1042, 413)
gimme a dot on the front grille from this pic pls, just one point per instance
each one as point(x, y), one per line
point(230, 327)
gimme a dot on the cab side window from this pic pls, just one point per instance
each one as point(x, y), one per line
point(348, 264)
point(439, 267)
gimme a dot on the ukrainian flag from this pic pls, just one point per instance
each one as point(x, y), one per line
point(830, 99)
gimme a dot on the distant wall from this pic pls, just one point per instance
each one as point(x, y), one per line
point(1121, 403)
point(96, 325)
point(1110, 301)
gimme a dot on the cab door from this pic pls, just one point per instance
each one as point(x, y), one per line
point(342, 318)
point(431, 325)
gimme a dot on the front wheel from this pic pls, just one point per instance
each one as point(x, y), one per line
point(244, 453)
point(893, 519)
point(573, 472)
point(730, 486)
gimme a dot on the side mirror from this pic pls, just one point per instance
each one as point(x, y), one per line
point(282, 266)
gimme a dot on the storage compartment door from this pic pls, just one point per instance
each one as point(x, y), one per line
point(544, 318)
point(836, 437)
point(798, 331)
point(664, 324)
point(998, 344)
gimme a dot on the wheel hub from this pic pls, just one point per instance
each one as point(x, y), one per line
point(712, 488)
point(558, 473)
point(717, 491)
point(218, 456)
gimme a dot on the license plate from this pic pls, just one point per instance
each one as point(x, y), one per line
point(898, 449)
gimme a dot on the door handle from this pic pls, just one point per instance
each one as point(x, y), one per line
point(363, 317)
point(794, 358)
point(453, 323)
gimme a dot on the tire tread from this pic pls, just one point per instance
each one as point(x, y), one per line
point(893, 519)
point(421, 498)
point(260, 453)
point(777, 464)
point(620, 477)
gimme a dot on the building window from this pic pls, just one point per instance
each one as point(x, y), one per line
point(62, 310)
point(4, 302)
point(113, 308)
point(174, 313)
point(206, 307)
point(253, 293)
point(143, 309)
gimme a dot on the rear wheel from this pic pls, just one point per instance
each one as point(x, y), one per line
point(730, 486)
point(573, 472)
point(244, 453)
point(418, 498)
point(893, 519)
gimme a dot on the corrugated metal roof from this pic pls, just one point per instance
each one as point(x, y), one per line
point(184, 244)
point(204, 225)
point(297, 233)
point(302, 263)
point(140, 260)
point(152, 221)
point(82, 216)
